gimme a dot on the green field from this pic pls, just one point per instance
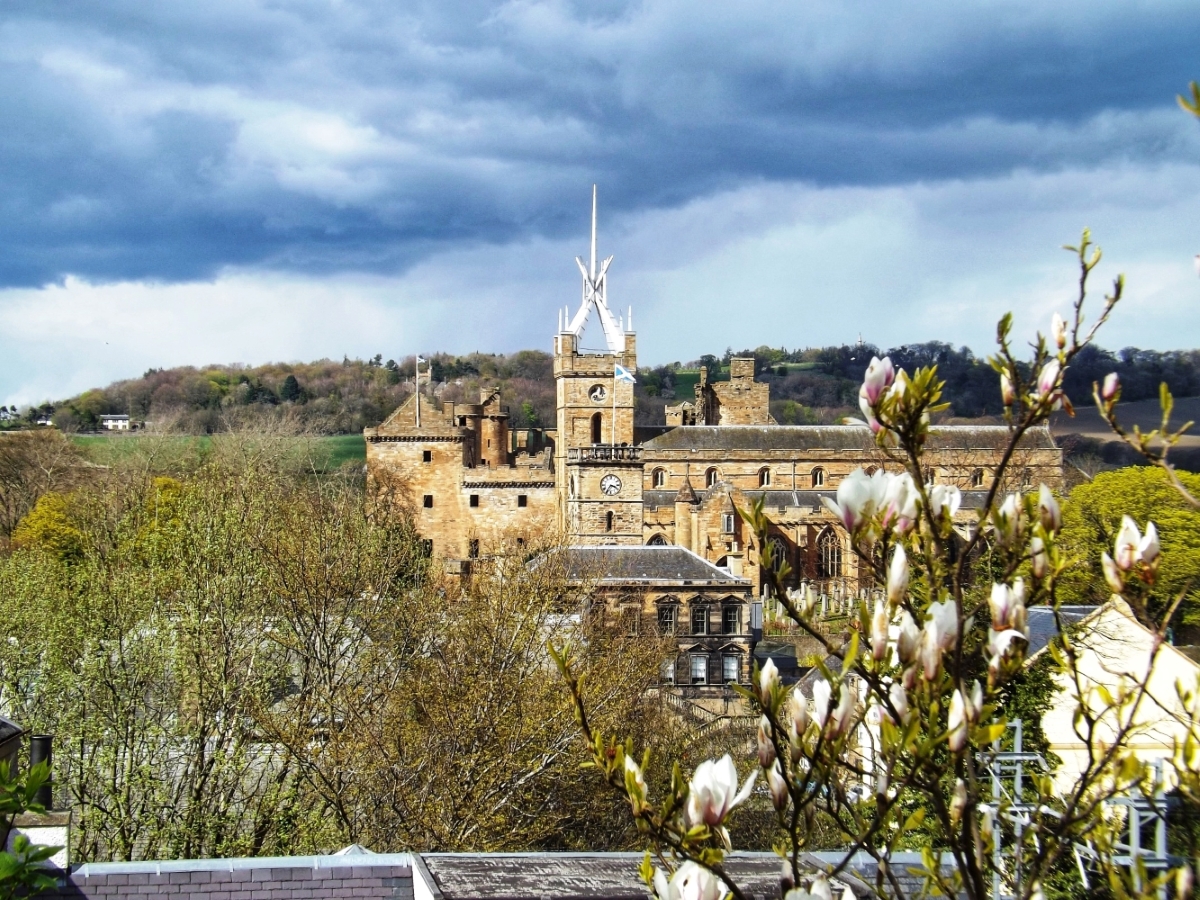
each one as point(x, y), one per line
point(333, 450)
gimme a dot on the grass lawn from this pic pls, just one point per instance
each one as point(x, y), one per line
point(337, 448)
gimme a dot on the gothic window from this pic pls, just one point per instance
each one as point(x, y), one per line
point(710, 477)
point(731, 666)
point(731, 620)
point(667, 614)
point(659, 478)
point(608, 521)
point(779, 552)
point(977, 478)
point(699, 669)
point(658, 540)
point(764, 477)
point(699, 620)
point(727, 523)
point(596, 428)
point(829, 554)
point(818, 477)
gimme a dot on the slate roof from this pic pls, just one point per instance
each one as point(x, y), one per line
point(833, 437)
point(786, 499)
point(621, 564)
point(372, 876)
point(613, 876)
point(1043, 628)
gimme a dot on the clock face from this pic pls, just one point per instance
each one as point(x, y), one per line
point(598, 394)
point(610, 484)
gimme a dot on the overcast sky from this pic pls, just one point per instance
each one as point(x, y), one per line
point(239, 181)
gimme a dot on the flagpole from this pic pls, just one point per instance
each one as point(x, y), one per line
point(417, 395)
point(612, 434)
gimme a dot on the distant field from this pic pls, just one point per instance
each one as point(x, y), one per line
point(338, 448)
point(1146, 414)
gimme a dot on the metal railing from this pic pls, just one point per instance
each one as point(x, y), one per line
point(604, 453)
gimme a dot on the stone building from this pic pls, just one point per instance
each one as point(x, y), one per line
point(596, 479)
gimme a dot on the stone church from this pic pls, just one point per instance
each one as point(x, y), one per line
point(597, 480)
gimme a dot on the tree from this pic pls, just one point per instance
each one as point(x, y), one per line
point(1092, 519)
point(290, 390)
point(924, 678)
point(32, 463)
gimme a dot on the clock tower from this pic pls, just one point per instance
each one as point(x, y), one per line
point(598, 467)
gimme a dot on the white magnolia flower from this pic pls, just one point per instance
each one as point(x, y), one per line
point(908, 638)
point(944, 497)
point(1000, 641)
point(768, 680)
point(1008, 605)
point(857, 497)
point(1125, 548)
point(689, 882)
point(1047, 384)
point(900, 502)
point(878, 378)
point(799, 713)
point(713, 792)
point(1111, 389)
point(1148, 548)
point(820, 705)
point(635, 783)
point(1006, 520)
point(943, 620)
point(844, 714)
point(899, 699)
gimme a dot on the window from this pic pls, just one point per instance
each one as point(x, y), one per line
point(929, 475)
point(667, 672)
point(710, 477)
point(427, 502)
point(727, 523)
point(829, 555)
point(427, 548)
point(596, 435)
point(818, 477)
point(522, 500)
point(473, 548)
point(630, 618)
point(764, 477)
point(977, 478)
point(659, 478)
point(426, 456)
point(699, 670)
point(779, 552)
point(520, 542)
point(608, 521)
point(731, 668)
point(659, 540)
point(474, 500)
point(699, 620)
point(1026, 478)
point(731, 620)
point(666, 618)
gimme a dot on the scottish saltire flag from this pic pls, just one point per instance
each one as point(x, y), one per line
point(623, 374)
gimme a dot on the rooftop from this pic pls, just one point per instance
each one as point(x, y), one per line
point(833, 437)
point(633, 563)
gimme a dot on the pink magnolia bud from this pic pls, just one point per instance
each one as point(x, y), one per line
point(1111, 389)
point(958, 801)
point(777, 785)
point(879, 631)
point(908, 640)
point(768, 679)
point(843, 716)
point(897, 582)
point(1007, 393)
point(766, 749)
point(1048, 377)
point(879, 376)
point(957, 722)
point(799, 713)
point(899, 698)
point(1049, 510)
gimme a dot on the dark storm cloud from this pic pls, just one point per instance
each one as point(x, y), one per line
point(167, 141)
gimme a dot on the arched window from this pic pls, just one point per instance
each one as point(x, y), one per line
point(929, 475)
point(779, 551)
point(658, 540)
point(710, 477)
point(977, 478)
point(829, 554)
point(608, 521)
point(1026, 478)
point(596, 435)
point(764, 477)
point(818, 477)
point(659, 478)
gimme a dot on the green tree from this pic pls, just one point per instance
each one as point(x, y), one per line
point(290, 390)
point(1092, 518)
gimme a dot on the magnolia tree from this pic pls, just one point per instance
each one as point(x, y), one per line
point(923, 670)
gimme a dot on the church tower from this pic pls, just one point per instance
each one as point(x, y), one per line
point(600, 469)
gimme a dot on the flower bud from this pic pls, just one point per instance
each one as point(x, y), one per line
point(899, 699)
point(1111, 389)
point(958, 801)
point(635, 783)
point(1058, 330)
point(1049, 510)
point(1125, 547)
point(820, 705)
point(844, 714)
point(1112, 574)
point(897, 582)
point(777, 786)
point(878, 377)
point(957, 722)
point(766, 749)
point(1007, 393)
point(879, 631)
point(1038, 560)
point(768, 679)
point(1183, 882)
point(1048, 378)
point(909, 640)
point(799, 713)
point(820, 889)
point(1148, 548)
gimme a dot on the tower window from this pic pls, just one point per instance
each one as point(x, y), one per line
point(426, 456)
point(659, 478)
point(608, 521)
point(427, 501)
point(597, 419)
point(522, 500)
point(474, 500)
point(977, 478)
point(818, 477)
point(710, 477)
point(764, 477)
